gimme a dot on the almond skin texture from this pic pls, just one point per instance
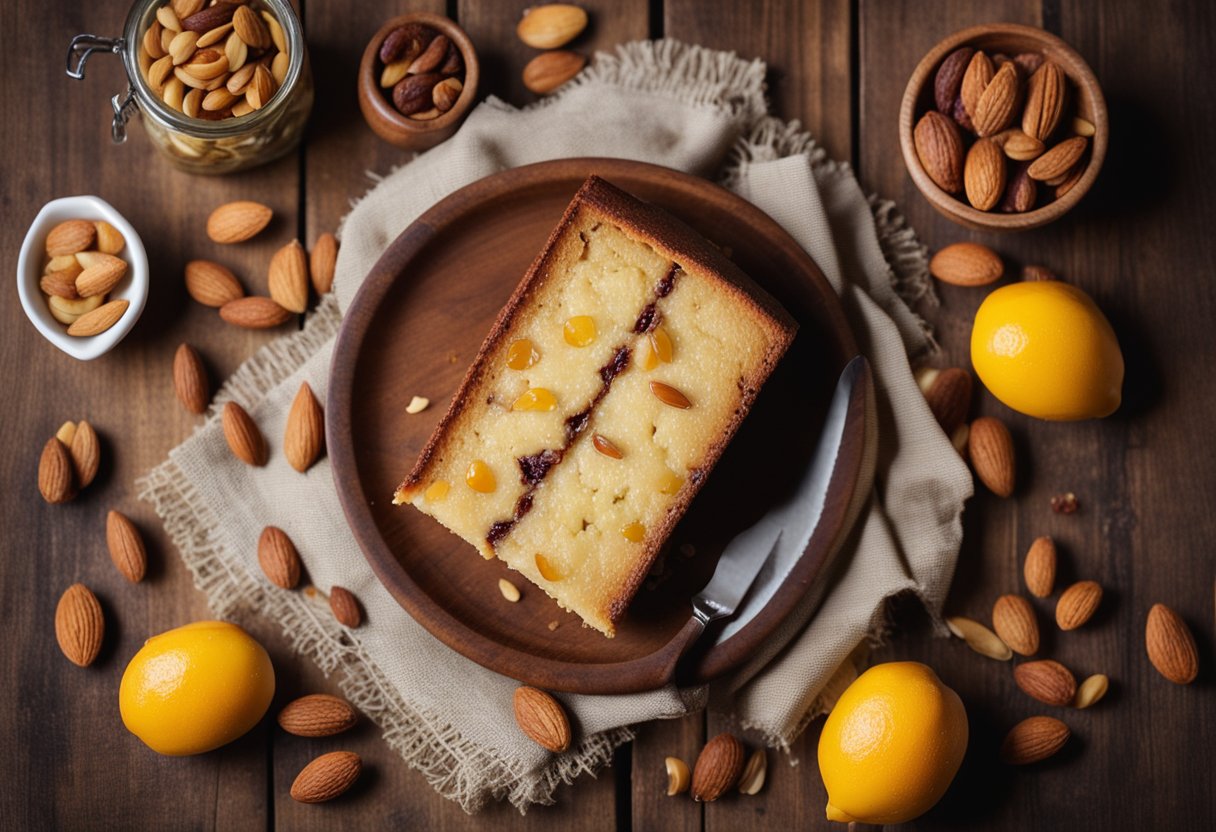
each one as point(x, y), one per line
point(998, 102)
point(1014, 621)
point(190, 379)
point(99, 320)
point(61, 283)
point(949, 79)
point(949, 398)
point(940, 150)
point(1170, 645)
point(1077, 604)
point(126, 547)
point(86, 453)
point(101, 276)
point(1045, 93)
point(254, 313)
point(717, 768)
point(967, 264)
point(1021, 192)
point(1047, 681)
point(244, 438)
point(70, 237)
point(1058, 161)
point(235, 222)
point(551, 25)
point(56, 481)
point(317, 715)
point(278, 558)
point(984, 174)
point(1018, 146)
point(345, 607)
point(990, 447)
point(212, 284)
point(322, 261)
point(304, 436)
point(326, 777)
point(542, 718)
point(79, 625)
point(549, 70)
point(1040, 567)
point(1034, 739)
point(289, 277)
point(975, 80)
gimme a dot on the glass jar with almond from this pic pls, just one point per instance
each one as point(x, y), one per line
point(221, 86)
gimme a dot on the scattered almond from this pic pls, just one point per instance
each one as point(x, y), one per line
point(254, 313)
point(509, 590)
point(1091, 691)
point(549, 70)
point(328, 776)
point(1170, 645)
point(551, 25)
point(1034, 739)
point(417, 405)
point(1039, 569)
point(190, 379)
point(86, 453)
point(304, 436)
point(948, 393)
point(66, 433)
point(322, 262)
point(79, 625)
point(1077, 604)
point(345, 607)
point(678, 777)
point(1033, 273)
point(718, 768)
point(1047, 681)
point(542, 718)
point(212, 284)
point(1013, 620)
point(243, 436)
point(317, 715)
point(967, 264)
point(126, 547)
point(289, 277)
point(235, 222)
point(56, 481)
point(979, 638)
point(278, 557)
point(991, 450)
point(752, 779)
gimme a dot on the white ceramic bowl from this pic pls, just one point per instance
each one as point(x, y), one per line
point(133, 287)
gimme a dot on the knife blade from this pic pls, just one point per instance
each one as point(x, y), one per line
point(773, 544)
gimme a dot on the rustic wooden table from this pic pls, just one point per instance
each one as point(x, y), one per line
point(1140, 243)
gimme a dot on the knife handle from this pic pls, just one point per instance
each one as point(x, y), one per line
point(674, 650)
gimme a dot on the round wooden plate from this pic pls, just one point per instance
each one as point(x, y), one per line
point(415, 325)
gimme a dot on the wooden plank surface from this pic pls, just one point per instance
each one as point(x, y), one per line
point(1139, 243)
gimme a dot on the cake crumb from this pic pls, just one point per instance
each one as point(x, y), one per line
point(418, 404)
point(553, 625)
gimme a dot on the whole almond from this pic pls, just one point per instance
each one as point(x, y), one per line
point(551, 25)
point(254, 313)
point(542, 718)
point(243, 436)
point(304, 436)
point(1047, 681)
point(940, 150)
point(998, 103)
point(235, 222)
point(1021, 192)
point(1059, 160)
point(1033, 272)
point(207, 19)
point(1034, 739)
point(446, 93)
point(1170, 645)
point(975, 80)
point(317, 715)
point(549, 70)
point(967, 264)
point(79, 625)
point(289, 277)
point(99, 320)
point(109, 238)
point(327, 777)
point(1091, 691)
point(214, 36)
point(85, 451)
point(1045, 94)
point(250, 28)
point(56, 481)
point(345, 607)
point(1014, 621)
point(984, 174)
point(949, 79)
point(1039, 569)
point(431, 57)
point(1070, 180)
point(278, 557)
point(190, 379)
point(1018, 146)
point(211, 284)
point(1077, 604)
point(70, 237)
point(751, 781)
point(718, 768)
point(60, 284)
point(322, 261)
point(990, 447)
point(126, 547)
point(949, 397)
point(979, 638)
point(405, 42)
point(412, 94)
point(100, 277)
point(261, 88)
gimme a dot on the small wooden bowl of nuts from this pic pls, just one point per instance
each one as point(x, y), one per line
point(417, 80)
point(1003, 127)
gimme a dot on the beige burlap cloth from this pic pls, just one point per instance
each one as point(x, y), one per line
point(663, 102)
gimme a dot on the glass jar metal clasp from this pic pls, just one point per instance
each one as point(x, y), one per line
point(124, 105)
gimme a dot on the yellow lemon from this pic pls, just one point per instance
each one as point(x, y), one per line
point(1045, 349)
point(891, 745)
point(195, 688)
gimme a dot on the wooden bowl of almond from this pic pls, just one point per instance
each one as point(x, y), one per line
point(1003, 127)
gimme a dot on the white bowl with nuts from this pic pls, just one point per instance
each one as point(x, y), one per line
point(82, 275)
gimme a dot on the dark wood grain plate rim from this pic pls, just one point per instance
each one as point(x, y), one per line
point(644, 672)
